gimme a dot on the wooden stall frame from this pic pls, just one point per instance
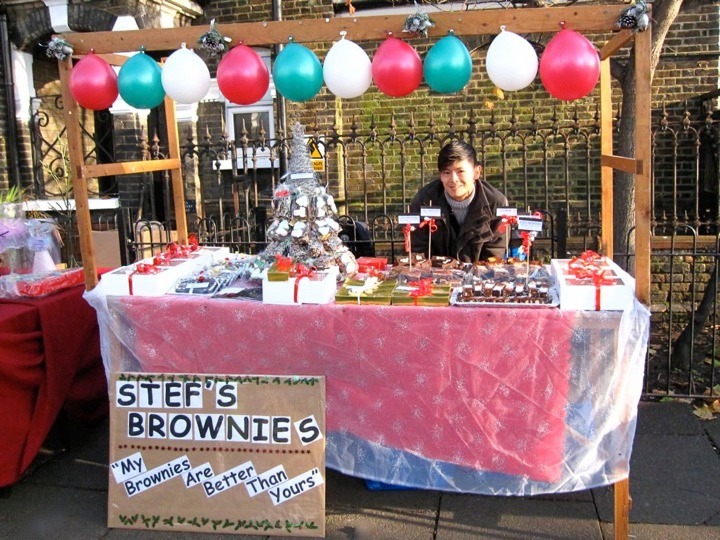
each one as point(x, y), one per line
point(582, 18)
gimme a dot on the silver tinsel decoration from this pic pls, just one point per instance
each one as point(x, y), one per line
point(213, 41)
point(635, 17)
point(58, 48)
point(304, 225)
point(418, 23)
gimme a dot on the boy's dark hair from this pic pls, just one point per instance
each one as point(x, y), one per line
point(455, 151)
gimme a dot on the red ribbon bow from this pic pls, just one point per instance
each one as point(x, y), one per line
point(527, 240)
point(173, 251)
point(284, 264)
point(431, 224)
point(301, 271)
point(424, 287)
point(586, 266)
point(141, 268)
point(505, 222)
point(193, 242)
point(406, 233)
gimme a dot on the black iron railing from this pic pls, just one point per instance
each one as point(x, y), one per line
point(551, 166)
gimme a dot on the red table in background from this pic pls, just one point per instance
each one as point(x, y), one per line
point(49, 362)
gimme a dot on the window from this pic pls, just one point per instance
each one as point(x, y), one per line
point(252, 120)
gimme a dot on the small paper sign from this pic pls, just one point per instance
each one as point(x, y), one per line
point(506, 211)
point(431, 211)
point(411, 219)
point(530, 223)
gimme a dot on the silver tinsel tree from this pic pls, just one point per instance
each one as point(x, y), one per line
point(304, 226)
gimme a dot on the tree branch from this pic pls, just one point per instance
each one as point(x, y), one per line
point(664, 13)
point(618, 69)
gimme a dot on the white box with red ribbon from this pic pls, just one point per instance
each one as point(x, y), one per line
point(592, 282)
point(316, 288)
point(155, 276)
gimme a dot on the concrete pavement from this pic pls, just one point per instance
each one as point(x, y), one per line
point(674, 475)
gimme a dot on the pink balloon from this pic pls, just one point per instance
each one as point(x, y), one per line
point(242, 76)
point(570, 66)
point(396, 68)
point(93, 83)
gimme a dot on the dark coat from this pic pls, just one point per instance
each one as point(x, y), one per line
point(477, 238)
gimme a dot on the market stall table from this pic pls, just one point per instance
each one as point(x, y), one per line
point(502, 400)
point(49, 362)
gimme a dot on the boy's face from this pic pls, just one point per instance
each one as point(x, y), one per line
point(458, 179)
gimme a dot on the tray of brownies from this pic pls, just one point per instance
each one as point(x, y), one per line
point(506, 284)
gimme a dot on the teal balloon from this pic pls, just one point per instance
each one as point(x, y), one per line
point(447, 67)
point(297, 73)
point(140, 82)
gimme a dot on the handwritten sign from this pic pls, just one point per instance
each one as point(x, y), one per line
point(431, 211)
point(506, 211)
point(409, 219)
point(530, 223)
point(236, 454)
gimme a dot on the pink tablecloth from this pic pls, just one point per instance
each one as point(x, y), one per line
point(479, 388)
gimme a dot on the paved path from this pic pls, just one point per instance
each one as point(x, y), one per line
point(674, 482)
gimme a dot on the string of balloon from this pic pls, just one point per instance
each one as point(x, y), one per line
point(569, 69)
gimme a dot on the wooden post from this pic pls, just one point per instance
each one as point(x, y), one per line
point(176, 172)
point(621, 491)
point(606, 149)
point(80, 193)
point(643, 202)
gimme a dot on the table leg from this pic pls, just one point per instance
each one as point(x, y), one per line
point(623, 503)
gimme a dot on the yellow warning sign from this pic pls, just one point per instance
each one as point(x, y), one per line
point(315, 152)
point(316, 156)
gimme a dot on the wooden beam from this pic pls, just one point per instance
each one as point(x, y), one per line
point(464, 23)
point(176, 172)
point(80, 192)
point(617, 42)
point(643, 193)
point(115, 59)
point(606, 172)
point(625, 164)
point(130, 167)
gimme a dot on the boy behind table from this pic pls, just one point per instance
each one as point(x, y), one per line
point(468, 230)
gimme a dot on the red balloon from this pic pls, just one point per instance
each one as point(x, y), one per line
point(396, 68)
point(242, 76)
point(93, 83)
point(570, 66)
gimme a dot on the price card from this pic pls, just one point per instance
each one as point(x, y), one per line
point(530, 223)
point(431, 211)
point(409, 219)
point(506, 211)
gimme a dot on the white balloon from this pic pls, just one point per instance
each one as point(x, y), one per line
point(185, 77)
point(347, 69)
point(511, 62)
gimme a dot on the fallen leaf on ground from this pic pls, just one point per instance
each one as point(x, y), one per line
point(704, 412)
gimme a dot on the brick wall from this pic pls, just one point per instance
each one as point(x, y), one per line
point(679, 279)
point(688, 67)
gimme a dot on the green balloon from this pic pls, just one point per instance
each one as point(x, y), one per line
point(140, 82)
point(297, 73)
point(448, 66)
